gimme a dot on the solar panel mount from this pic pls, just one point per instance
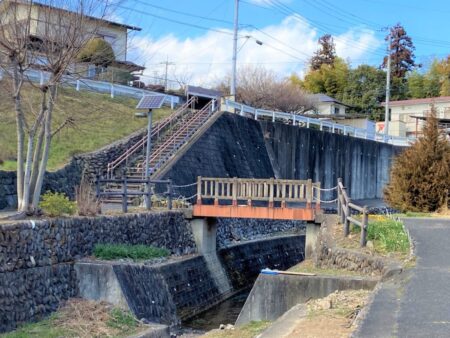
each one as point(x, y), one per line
point(151, 102)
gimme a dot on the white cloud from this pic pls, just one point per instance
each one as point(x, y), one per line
point(286, 48)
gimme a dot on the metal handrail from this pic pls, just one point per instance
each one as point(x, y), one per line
point(169, 142)
point(347, 130)
point(142, 142)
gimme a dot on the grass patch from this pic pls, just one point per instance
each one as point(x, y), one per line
point(249, 330)
point(81, 318)
point(388, 235)
point(44, 328)
point(97, 120)
point(134, 252)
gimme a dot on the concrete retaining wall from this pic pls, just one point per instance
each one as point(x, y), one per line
point(273, 295)
point(170, 292)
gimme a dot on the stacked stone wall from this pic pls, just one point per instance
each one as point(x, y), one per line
point(36, 257)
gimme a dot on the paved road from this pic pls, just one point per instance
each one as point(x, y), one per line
point(418, 305)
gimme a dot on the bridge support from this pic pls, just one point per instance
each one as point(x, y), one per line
point(205, 230)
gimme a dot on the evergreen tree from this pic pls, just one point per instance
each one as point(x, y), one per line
point(416, 87)
point(420, 175)
point(402, 52)
point(326, 54)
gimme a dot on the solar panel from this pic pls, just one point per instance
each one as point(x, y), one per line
point(151, 102)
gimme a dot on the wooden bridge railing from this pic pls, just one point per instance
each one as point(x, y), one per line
point(345, 207)
point(269, 190)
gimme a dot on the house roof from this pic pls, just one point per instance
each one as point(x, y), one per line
point(117, 24)
point(203, 92)
point(412, 102)
point(325, 98)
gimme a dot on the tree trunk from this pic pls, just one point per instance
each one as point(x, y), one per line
point(36, 160)
point(46, 150)
point(20, 124)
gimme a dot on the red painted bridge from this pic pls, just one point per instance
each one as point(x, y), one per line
point(257, 198)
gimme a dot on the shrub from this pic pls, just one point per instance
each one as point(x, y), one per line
point(420, 175)
point(87, 203)
point(97, 51)
point(135, 252)
point(56, 204)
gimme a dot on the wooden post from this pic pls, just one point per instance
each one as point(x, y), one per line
point(199, 190)
point(147, 196)
point(97, 186)
point(346, 221)
point(318, 196)
point(124, 195)
point(309, 193)
point(365, 223)
point(271, 193)
point(234, 191)
point(339, 193)
point(216, 193)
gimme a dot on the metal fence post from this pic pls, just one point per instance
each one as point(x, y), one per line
point(124, 195)
point(365, 223)
point(147, 196)
point(169, 191)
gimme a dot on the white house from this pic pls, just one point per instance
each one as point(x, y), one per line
point(37, 18)
point(406, 116)
point(326, 105)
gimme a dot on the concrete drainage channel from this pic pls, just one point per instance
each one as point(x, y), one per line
point(172, 292)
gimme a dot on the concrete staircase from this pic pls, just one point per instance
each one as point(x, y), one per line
point(167, 138)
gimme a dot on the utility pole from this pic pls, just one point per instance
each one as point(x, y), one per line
point(167, 63)
point(388, 86)
point(235, 38)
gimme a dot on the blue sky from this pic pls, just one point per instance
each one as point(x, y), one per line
point(199, 45)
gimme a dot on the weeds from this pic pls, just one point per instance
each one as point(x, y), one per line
point(57, 204)
point(388, 235)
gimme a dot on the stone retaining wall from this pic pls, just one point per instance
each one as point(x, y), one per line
point(36, 258)
point(67, 178)
point(236, 230)
point(328, 254)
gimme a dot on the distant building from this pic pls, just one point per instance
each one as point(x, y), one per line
point(116, 34)
point(326, 105)
point(407, 116)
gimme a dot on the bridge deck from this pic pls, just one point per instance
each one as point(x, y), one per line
point(246, 211)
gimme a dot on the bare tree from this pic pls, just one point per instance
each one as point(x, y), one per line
point(47, 35)
point(260, 88)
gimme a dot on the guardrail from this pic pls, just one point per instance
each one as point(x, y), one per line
point(78, 83)
point(125, 192)
point(345, 207)
point(249, 190)
point(308, 122)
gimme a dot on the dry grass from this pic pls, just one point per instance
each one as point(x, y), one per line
point(82, 319)
point(309, 267)
point(332, 316)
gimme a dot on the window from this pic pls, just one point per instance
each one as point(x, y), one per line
point(336, 110)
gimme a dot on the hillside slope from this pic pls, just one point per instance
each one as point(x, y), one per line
point(96, 120)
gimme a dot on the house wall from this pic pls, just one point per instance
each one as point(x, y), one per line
point(115, 35)
point(327, 108)
point(401, 115)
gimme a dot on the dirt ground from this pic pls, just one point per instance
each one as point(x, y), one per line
point(332, 316)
